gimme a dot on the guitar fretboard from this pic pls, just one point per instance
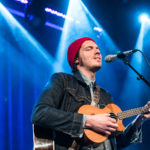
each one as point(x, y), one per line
point(132, 112)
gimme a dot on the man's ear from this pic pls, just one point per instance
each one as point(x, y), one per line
point(76, 62)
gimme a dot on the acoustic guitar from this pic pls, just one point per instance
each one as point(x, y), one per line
point(115, 112)
point(42, 140)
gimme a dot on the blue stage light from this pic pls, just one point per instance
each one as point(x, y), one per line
point(86, 25)
point(29, 47)
point(144, 18)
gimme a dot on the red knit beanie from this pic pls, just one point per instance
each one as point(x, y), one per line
point(74, 48)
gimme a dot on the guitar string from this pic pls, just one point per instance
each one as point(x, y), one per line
point(132, 112)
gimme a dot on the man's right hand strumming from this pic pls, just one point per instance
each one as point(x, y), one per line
point(101, 123)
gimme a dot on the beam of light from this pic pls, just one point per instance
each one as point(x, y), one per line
point(141, 42)
point(15, 12)
point(53, 12)
point(87, 26)
point(59, 14)
point(23, 1)
point(109, 45)
point(24, 55)
point(98, 29)
point(137, 62)
point(54, 26)
point(21, 14)
point(30, 46)
point(48, 23)
point(71, 32)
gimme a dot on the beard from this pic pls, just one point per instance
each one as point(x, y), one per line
point(95, 68)
point(91, 68)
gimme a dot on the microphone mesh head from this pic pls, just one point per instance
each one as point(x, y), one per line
point(108, 58)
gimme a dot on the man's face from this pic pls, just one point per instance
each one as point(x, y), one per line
point(89, 56)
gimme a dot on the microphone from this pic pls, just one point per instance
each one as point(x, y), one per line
point(110, 58)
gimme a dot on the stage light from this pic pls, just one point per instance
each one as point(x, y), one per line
point(47, 23)
point(23, 1)
point(29, 47)
point(53, 12)
point(98, 29)
point(59, 14)
point(144, 18)
point(72, 30)
point(83, 24)
point(137, 62)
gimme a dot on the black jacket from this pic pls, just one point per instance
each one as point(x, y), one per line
point(56, 110)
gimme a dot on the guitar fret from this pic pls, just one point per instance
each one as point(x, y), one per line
point(132, 112)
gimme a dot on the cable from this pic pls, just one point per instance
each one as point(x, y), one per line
point(145, 58)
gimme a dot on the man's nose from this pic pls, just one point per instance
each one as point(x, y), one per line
point(97, 51)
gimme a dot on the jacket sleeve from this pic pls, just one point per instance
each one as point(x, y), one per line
point(131, 135)
point(46, 112)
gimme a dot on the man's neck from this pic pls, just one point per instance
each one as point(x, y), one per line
point(89, 74)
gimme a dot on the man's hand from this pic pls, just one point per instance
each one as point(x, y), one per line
point(147, 115)
point(139, 119)
point(101, 123)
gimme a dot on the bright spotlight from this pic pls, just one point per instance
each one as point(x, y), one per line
point(143, 18)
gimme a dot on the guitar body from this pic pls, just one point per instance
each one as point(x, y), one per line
point(92, 110)
point(41, 139)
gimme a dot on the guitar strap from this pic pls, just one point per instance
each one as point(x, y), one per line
point(96, 96)
point(94, 102)
point(74, 146)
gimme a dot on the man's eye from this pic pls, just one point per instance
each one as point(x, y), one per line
point(89, 48)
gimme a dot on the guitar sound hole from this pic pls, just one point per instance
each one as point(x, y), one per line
point(112, 115)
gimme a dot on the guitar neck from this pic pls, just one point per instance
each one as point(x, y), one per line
point(132, 112)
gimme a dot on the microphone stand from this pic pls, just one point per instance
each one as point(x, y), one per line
point(139, 75)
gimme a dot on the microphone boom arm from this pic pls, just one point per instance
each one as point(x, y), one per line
point(139, 75)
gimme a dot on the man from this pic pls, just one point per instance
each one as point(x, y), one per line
point(58, 104)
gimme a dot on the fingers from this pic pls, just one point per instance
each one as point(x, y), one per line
point(107, 133)
point(111, 129)
point(147, 116)
point(108, 130)
point(104, 131)
point(112, 120)
point(148, 103)
point(112, 124)
point(102, 123)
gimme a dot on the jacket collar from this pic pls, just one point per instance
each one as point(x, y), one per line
point(78, 76)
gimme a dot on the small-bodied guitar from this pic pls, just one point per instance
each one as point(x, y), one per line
point(112, 109)
point(42, 140)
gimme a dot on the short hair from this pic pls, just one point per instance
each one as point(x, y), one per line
point(74, 67)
